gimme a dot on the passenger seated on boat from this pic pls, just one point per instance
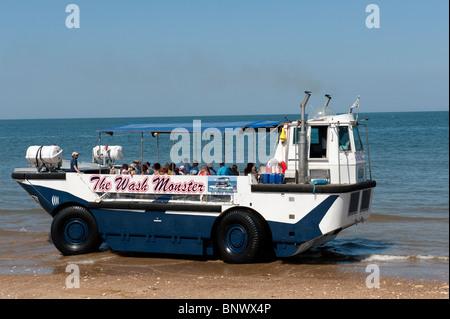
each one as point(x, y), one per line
point(234, 170)
point(156, 169)
point(204, 170)
point(132, 170)
point(124, 169)
point(223, 170)
point(137, 166)
point(248, 169)
point(194, 168)
point(262, 169)
point(182, 170)
point(187, 166)
point(167, 169)
point(211, 169)
point(255, 172)
point(147, 169)
point(173, 169)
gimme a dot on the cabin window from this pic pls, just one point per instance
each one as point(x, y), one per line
point(344, 139)
point(296, 136)
point(357, 138)
point(318, 142)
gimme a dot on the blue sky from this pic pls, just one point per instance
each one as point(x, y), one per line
point(175, 58)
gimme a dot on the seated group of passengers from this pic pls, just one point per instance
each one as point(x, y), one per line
point(170, 169)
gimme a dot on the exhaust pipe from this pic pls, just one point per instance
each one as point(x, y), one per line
point(301, 170)
point(328, 96)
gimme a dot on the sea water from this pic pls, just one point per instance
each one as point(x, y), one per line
point(407, 234)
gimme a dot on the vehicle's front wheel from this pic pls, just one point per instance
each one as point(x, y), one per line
point(240, 237)
point(74, 231)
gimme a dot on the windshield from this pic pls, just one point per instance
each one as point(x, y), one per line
point(357, 137)
point(344, 139)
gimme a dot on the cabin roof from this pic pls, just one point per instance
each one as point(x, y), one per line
point(189, 126)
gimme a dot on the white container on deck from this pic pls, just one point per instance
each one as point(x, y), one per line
point(114, 153)
point(44, 154)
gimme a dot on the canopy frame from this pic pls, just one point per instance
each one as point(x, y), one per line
point(167, 128)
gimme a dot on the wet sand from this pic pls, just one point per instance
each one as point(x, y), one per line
point(107, 275)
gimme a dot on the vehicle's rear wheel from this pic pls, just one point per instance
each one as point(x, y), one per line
point(240, 237)
point(74, 231)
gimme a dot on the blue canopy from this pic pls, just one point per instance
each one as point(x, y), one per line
point(196, 126)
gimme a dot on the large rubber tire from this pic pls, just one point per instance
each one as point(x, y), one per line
point(240, 237)
point(74, 231)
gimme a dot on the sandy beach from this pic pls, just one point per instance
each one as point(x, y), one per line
point(108, 276)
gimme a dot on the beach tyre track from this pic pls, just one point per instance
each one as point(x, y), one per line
point(74, 231)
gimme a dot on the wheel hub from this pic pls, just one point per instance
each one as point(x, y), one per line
point(76, 231)
point(237, 239)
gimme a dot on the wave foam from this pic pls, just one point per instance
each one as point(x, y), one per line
point(406, 258)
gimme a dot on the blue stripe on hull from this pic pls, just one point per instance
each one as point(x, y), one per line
point(50, 198)
point(156, 232)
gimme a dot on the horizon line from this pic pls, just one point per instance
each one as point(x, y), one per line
point(190, 116)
